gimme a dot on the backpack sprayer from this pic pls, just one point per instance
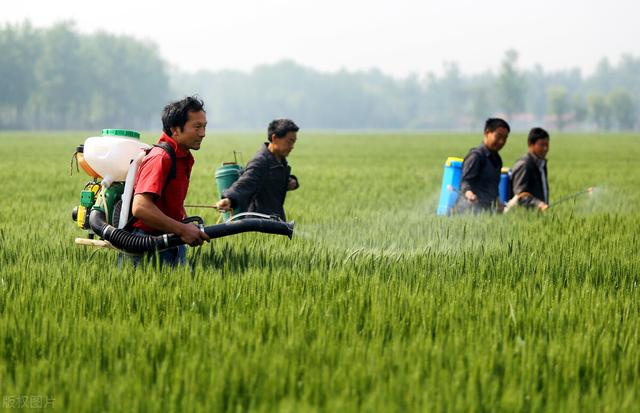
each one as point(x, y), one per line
point(451, 180)
point(452, 177)
point(112, 160)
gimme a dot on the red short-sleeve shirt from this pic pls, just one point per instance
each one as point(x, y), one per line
point(152, 176)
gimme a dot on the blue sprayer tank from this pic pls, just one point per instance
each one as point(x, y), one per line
point(504, 188)
point(450, 185)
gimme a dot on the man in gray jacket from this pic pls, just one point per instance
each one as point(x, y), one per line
point(529, 173)
point(264, 184)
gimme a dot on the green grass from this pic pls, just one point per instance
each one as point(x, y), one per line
point(376, 304)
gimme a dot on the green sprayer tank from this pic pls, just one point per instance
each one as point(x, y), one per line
point(226, 175)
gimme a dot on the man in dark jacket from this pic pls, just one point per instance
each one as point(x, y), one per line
point(529, 173)
point(481, 170)
point(264, 184)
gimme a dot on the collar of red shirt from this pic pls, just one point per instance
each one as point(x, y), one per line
point(180, 153)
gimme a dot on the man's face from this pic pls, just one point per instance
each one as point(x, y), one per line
point(191, 136)
point(497, 139)
point(540, 148)
point(283, 146)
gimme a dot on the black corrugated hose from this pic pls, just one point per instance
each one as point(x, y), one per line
point(139, 244)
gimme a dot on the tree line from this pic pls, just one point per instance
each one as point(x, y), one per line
point(58, 78)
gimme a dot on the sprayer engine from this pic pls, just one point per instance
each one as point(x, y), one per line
point(80, 214)
point(93, 196)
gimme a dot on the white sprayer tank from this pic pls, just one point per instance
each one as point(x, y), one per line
point(110, 154)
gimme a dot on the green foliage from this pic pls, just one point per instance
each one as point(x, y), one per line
point(58, 78)
point(19, 47)
point(511, 86)
point(623, 108)
point(559, 105)
point(600, 111)
point(580, 110)
point(377, 304)
point(363, 100)
point(61, 78)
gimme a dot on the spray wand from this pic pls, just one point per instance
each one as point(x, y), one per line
point(201, 206)
point(566, 198)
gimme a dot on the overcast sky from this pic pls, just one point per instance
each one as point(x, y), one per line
point(397, 36)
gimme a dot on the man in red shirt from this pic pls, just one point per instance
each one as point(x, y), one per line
point(158, 201)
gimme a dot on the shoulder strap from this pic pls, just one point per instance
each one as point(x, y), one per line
point(169, 149)
point(172, 174)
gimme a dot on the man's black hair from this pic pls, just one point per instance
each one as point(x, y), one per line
point(494, 123)
point(535, 134)
point(176, 114)
point(280, 127)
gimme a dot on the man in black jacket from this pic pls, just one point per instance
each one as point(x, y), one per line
point(481, 170)
point(529, 173)
point(264, 184)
